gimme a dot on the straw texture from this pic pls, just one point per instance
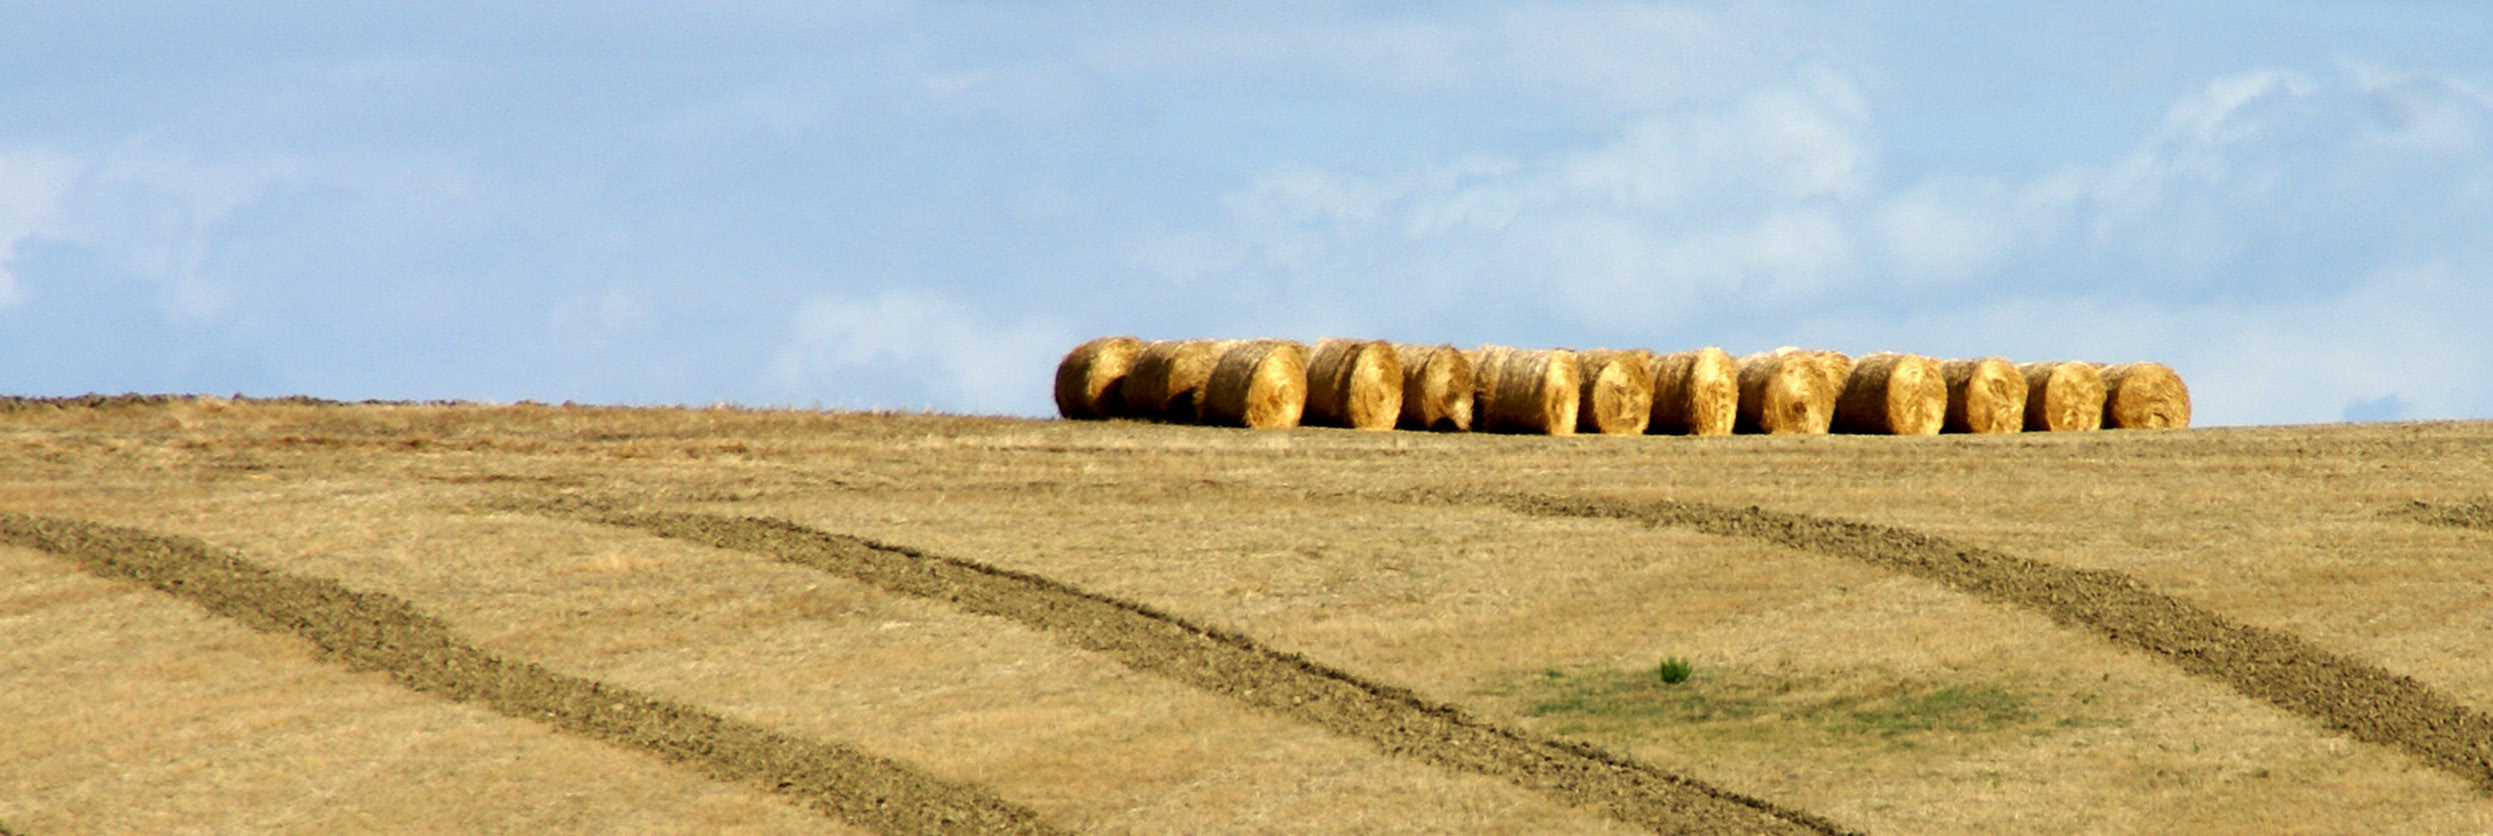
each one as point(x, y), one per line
point(1088, 380)
point(2062, 397)
point(1355, 384)
point(1984, 396)
point(1695, 393)
point(1258, 384)
point(2144, 396)
point(1892, 394)
point(1436, 388)
point(1519, 391)
point(1614, 391)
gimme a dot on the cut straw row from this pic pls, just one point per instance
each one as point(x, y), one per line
point(1377, 385)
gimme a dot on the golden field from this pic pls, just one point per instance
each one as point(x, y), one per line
point(599, 620)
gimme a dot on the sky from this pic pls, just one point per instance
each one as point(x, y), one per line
point(923, 206)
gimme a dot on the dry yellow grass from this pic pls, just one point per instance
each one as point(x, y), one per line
point(1300, 539)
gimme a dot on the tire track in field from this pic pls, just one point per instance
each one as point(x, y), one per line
point(2370, 703)
point(1396, 720)
point(373, 631)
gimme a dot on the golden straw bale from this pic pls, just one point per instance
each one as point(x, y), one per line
point(1790, 391)
point(1984, 396)
point(1088, 380)
point(1615, 391)
point(1168, 378)
point(1261, 384)
point(1355, 384)
point(2062, 397)
point(1436, 388)
point(1893, 394)
point(1695, 393)
point(1519, 391)
point(2144, 396)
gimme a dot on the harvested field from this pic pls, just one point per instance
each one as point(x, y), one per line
point(378, 632)
point(1394, 719)
point(1105, 624)
point(2372, 704)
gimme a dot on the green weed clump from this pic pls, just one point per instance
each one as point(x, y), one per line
point(1674, 670)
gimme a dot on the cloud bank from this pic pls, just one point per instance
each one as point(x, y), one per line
point(903, 206)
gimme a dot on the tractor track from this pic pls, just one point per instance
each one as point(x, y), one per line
point(1396, 720)
point(2366, 701)
point(373, 631)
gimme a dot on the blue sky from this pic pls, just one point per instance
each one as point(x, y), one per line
point(867, 204)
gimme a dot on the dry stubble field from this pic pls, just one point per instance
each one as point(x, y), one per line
point(287, 617)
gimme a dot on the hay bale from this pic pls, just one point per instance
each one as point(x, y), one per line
point(1984, 396)
point(1695, 393)
point(1089, 379)
point(2062, 397)
point(1790, 391)
point(1436, 388)
point(1614, 391)
point(1168, 377)
point(1260, 384)
point(1892, 394)
point(1519, 391)
point(2144, 396)
point(1355, 384)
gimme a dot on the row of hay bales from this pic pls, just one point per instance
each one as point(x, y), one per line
point(1378, 385)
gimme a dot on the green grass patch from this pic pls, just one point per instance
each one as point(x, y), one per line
point(1846, 709)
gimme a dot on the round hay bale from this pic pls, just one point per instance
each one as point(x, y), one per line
point(1436, 388)
point(1168, 377)
point(1355, 384)
point(1259, 384)
point(1790, 391)
point(1090, 378)
point(1614, 391)
point(1893, 394)
point(1984, 396)
point(2144, 396)
point(2062, 397)
point(1519, 391)
point(1695, 393)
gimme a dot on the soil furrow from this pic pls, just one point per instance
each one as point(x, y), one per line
point(379, 632)
point(2368, 702)
point(1396, 720)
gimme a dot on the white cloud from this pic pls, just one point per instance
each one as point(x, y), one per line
point(33, 186)
point(903, 342)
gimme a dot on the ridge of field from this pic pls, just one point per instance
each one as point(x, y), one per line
point(1261, 533)
point(370, 630)
point(138, 729)
point(2374, 705)
point(1396, 720)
